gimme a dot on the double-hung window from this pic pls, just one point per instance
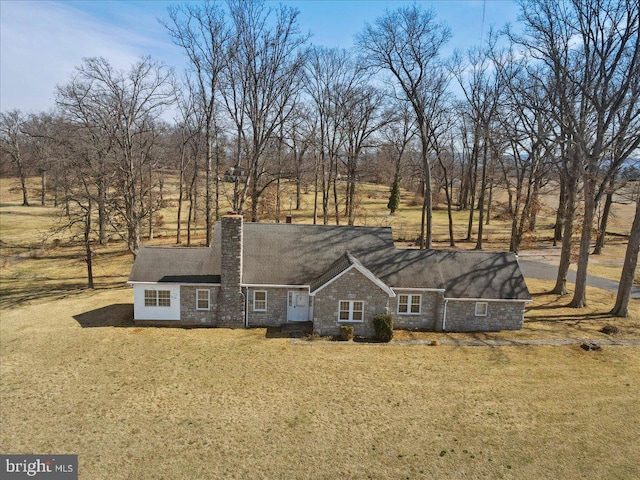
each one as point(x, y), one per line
point(202, 299)
point(409, 304)
point(157, 298)
point(351, 311)
point(260, 301)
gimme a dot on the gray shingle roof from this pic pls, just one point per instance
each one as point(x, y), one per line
point(294, 254)
point(174, 265)
point(491, 275)
point(339, 266)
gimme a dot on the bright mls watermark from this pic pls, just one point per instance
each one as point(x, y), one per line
point(46, 467)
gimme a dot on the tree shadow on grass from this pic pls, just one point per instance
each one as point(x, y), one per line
point(577, 317)
point(116, 315)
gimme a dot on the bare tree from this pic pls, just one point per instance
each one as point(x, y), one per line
point(12, 143)
point(202, 32)
point(189, 132)
point(406, 42)
point(361, 110)
point(593, 53)
point(483, 89)
point(397, 135)
point(528, 129)
point(262, 86)
point(621, 307)
point(118, 110)
point(327, 71)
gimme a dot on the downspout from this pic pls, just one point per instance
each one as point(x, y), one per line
point(444, 315)
point(246, 307)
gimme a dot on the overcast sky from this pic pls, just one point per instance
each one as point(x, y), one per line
point(42, 41)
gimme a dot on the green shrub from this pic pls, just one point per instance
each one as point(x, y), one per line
point(383, 327)
point(346, 332)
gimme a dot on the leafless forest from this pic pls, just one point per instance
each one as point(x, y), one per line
point(261, 107)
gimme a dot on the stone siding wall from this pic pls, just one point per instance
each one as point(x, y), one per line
point(351, 286)
point(430, 311)
point(188, 313)
point(461, 316)
point(231, 300)
point(276, 313)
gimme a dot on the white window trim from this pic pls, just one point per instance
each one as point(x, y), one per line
point(351, 310)
point(156, 298)
point(409, 303)
point(169, 298)
point(208, 292)
point(486, 309)
point(147, 296)
point(255, 309)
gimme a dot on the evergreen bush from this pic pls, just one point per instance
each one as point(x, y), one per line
point(383, 327)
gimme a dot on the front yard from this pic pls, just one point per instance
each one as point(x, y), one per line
point(150, 403)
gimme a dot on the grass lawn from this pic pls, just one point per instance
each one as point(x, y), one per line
point(152, 403)
point(172, 403)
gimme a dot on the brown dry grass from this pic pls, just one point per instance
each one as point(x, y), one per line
point(150, 403)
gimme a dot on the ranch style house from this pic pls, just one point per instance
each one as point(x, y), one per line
point(261, 274)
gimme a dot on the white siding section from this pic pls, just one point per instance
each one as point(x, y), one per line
point(140, 312)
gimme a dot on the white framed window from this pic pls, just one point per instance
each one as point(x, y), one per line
point(157, 298)
point(260, 301)
point(150, 298)
point(350, 311)
point(481, 309)
point(202, 299)
point(409, 304)
point(164, 298)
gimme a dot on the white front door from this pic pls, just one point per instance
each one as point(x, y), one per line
point(298, 307)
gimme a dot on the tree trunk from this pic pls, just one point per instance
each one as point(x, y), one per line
point(352, 196)
point(208, 193)
point(579, 295)
point(217, 183)
point(621, 308)
point(602, 230)
point(336, 204)
point(557, 233)
point(180, 195)
point(535, 205)
point(474, 165)
point(87, 245)
point(150, 233)
point(315, 192)
point(447, 193)
point(43, 182)
point(23, 184)
point(565, 253)
point(483, 185)
point(426, 227)
point(102, 211)
point(278, 200)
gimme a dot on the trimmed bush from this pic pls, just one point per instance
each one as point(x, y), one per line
point(346, 332)
point(383, 327)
